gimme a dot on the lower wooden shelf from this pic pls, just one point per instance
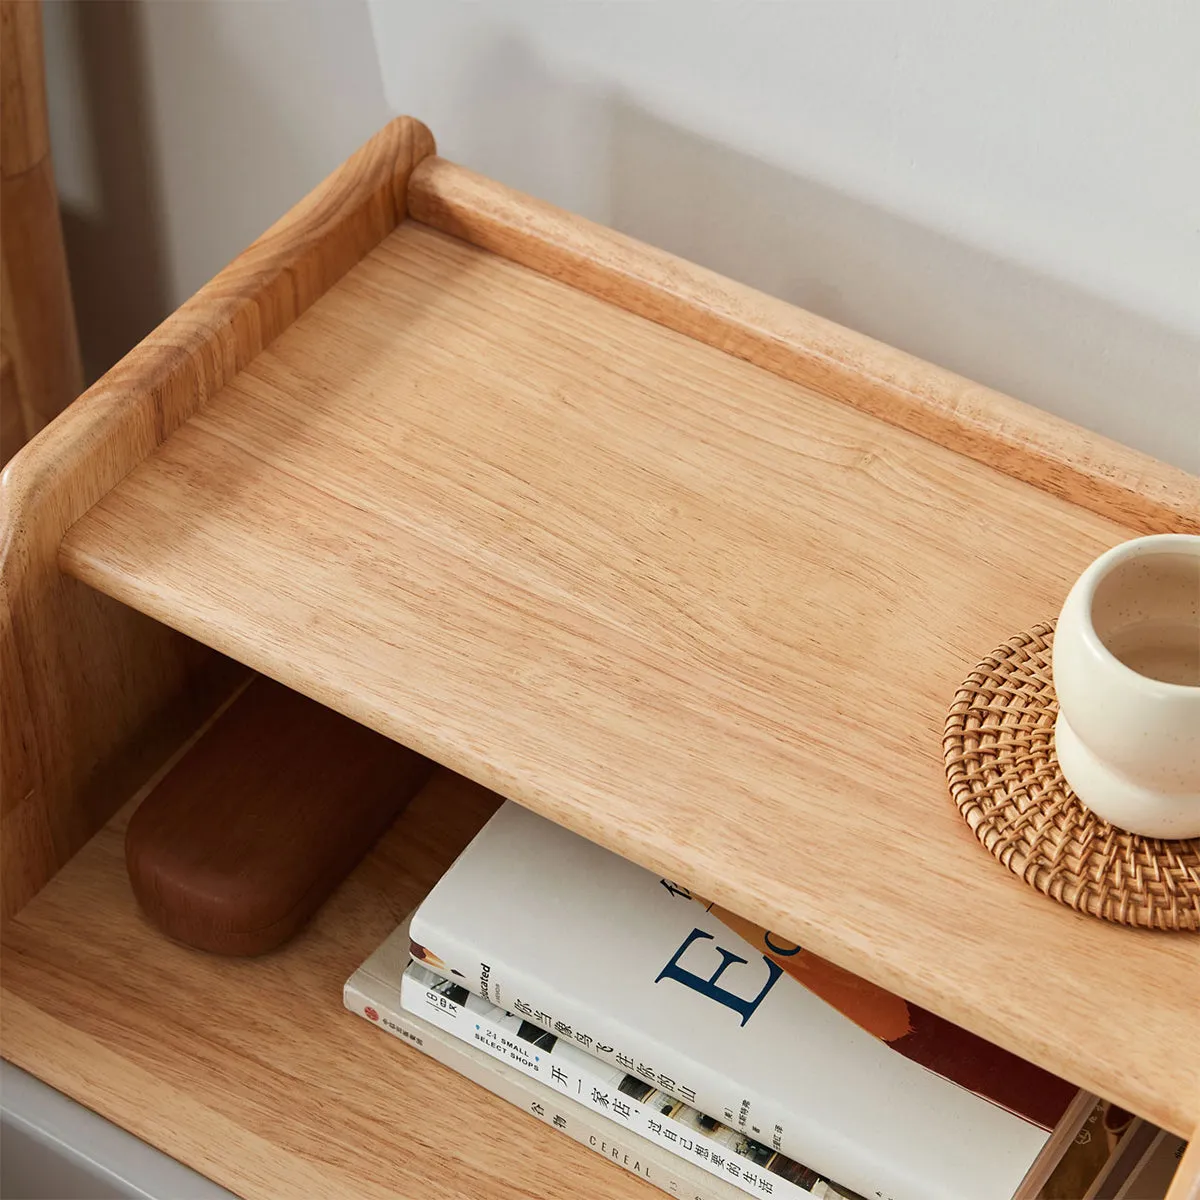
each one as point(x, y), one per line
point(250, 1070)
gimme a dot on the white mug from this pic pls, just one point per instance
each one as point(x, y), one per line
point(1127, 674)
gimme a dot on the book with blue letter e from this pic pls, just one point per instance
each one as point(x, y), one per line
point(598, 951)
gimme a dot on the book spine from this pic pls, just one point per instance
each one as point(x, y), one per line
point(595, 1089)
point(599, 1134)
point(627, 1049)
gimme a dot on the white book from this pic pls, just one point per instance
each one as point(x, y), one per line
point(373, 993)
point(726, 1154)
point(572, 937)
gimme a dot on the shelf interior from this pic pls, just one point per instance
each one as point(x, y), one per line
point(691, 610)
point(250, 1070)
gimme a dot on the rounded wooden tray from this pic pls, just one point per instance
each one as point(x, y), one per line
point(1004, 777)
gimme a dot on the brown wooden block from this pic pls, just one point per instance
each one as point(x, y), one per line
point(262, 818)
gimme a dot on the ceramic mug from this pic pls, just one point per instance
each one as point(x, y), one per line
point(1127, 672)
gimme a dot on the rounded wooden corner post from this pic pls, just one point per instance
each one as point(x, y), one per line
point(80, 675)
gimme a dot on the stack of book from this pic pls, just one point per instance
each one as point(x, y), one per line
point(713, 1058)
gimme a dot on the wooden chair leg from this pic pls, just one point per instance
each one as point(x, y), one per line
point(41, 366)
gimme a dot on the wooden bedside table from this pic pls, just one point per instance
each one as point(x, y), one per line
point(644, 550)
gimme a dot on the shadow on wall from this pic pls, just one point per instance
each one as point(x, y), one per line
point(167, 217)
point(993, 320)
point(200, 125)
point(114, 246)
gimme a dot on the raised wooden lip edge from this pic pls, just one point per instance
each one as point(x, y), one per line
point(55, 634)
point(136, 405)
point(1083, 468)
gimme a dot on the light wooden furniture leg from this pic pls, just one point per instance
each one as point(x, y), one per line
point(42, 372)
point(1186, 1184)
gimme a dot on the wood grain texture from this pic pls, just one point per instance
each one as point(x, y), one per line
point(240, 843)
point(37, 316)
point(12, 419)
point(251, 1071)
point(698, 613)
point(37, 320)
point(24, 127)
point(81, 675)
point(1082, 467)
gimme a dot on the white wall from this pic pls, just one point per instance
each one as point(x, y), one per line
point(180, 131)
point(1008, 189)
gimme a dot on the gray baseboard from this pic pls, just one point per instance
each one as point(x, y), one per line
point(52, 1148)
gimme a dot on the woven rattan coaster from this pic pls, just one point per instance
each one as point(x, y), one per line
point(1005, 779)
